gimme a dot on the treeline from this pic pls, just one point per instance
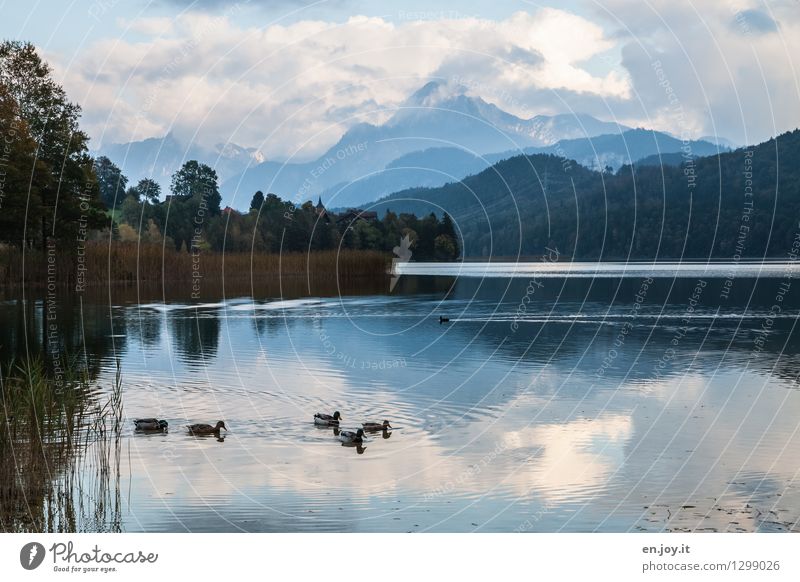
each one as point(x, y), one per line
point(51, 190)
point(740, 204)
point(191, 219)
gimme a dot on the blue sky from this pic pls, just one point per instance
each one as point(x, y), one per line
point(64, 26)
point(284, 74)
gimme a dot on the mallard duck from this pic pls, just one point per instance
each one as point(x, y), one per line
point(350, 437)
point(204, 429)
point(376, 426)
point(327, 419)
point(151, 424)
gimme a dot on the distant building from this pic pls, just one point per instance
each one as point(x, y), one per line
point(322, 211)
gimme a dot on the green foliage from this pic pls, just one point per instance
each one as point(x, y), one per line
point(110, 182)
point(198, 181)
point(148, 190)
point(257, 201)
point(279, 226)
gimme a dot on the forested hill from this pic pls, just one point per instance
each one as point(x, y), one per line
point(742, 203)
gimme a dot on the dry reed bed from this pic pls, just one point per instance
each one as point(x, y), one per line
point(102, 264)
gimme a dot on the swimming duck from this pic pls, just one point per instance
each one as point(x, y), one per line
point(443, 319)
point(327, 419)
point(350, 437)
point(151, 424)
point(204, 429)
point(376, 426)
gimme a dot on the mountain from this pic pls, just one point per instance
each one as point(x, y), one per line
point(426, 168)
point(720, 141)
point(696, 209)
point(664, 159)
point(616, 150)
point(444, 112)
point(439, 115)
point(159, 158)
point(639, 146)
point(438, 135)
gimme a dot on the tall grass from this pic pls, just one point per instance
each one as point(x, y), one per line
point(60, 448)
point(122, 262)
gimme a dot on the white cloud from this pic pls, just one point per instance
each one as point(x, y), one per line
point(297, 87)
point(277, 87)
point(732, 67)
point(150, 26)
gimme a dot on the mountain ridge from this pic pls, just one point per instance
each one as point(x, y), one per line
point(367, 161)
point(693, 209)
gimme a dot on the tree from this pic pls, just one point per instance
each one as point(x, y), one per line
point(69, 194)
point(428, 230)
point(148, 190)
point(444, 248)
point(257, 201)
point(199, 181)
point(132, 192)
point(366, 236)
point(110, 181)
point(20, 203)
point(449, 230)
point(131, 211)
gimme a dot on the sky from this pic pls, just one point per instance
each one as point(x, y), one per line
point(289, 75)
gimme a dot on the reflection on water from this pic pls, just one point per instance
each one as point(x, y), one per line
point(542, 405)
point(551, 268)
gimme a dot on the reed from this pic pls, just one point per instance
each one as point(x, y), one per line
point(100, 264)
point(60, 449)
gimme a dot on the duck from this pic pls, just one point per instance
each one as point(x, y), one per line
point(204, 429)
point(327, 419)
point(376, 426)
point(151, 424)
point(443, 319)
point(350, 437)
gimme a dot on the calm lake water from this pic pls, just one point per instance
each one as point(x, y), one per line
point(545, 403)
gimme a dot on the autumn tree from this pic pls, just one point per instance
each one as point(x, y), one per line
point(69, 193)
point(20, 201)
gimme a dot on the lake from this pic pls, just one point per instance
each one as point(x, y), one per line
point(549, 401)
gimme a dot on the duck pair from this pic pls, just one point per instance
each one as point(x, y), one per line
point(156, 425)
point(349, 436)
point(321, 419)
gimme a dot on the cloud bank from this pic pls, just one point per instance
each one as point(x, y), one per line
point(291, 90)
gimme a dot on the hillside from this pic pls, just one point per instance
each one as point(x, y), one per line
point(693, 210)
point(616, 150)
point(428, 168)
